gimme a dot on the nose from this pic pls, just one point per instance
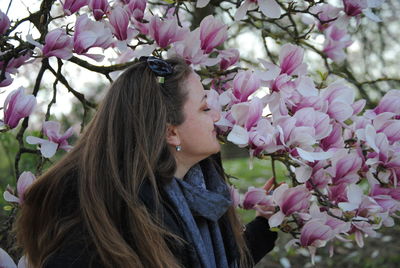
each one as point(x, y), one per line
point(216, 115)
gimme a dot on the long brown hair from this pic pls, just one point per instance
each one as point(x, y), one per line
point(96, 185)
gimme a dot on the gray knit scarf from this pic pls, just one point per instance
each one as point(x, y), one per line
point(200, 202)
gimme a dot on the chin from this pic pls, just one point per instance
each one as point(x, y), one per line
point(217, 149)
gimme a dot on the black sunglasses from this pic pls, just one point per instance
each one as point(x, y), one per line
point(159, 66)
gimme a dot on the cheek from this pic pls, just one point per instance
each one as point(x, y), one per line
point(189, 129)
point(198, 127)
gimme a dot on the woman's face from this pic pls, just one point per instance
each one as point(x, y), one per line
point(197, 134)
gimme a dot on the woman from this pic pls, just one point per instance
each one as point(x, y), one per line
point(139, 189)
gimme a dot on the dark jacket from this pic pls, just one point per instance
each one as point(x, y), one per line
point(260, 240)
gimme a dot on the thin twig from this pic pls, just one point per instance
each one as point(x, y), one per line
point(78, 95)
point(22, 149)
point(53, 100)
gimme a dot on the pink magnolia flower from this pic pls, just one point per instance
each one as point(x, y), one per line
point(23, 262)
point(340, 98)
point(387, 203)
point(291, 135)
point(99, 8)
point(383, 155)
point(321, 228)
point(58, 44)
point(256, 196)
point(319, 176)
point(389, 103)
point(24, 181)
point(270, 74)
point(214, 100)
point(72, 6)
point(360, 228)
point(387, 198)
point(212, 33)
point(354, 198)
point(119, 19)
point(315, 233)
point(327, 15)
point(263, 137)
point(17, 106)
point(334, 139)
point(345, 167)
point(291, 60)
point(223, 84)
point(7, 80)
point(285, 125)
point(336, 225)
point(90, 34)
point(303, 173)
point(315, 154)
point(269, 8)
point(283, 84)
point(235, 196)
point(15, 63)
point(238, 135)
point(136, 8)
point(245, 115)
point(308, 117)
point(354, 7)
point(7, 262)
point(336, 41)
point(56, 140)
point(379, 190)
point(165, 32)
point(306, 87)
point(202, 3)
point(129, 54)
point(358, 106)
point(4, 23)
point(359, 123)
point(228, 57)
point(391, 128)
point(289, 200)
point(337, 193)
point(245, 83)
point(377, 141)
point(190, 50)
point(142, 27)
point(12, 67)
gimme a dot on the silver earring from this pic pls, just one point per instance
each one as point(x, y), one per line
point(178, 148)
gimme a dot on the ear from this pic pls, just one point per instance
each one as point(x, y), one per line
point(173, 135)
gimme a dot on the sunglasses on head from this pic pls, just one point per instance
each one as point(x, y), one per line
point(159, 66)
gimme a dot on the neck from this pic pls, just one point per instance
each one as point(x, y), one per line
point(181, 171)
point(183, 164)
